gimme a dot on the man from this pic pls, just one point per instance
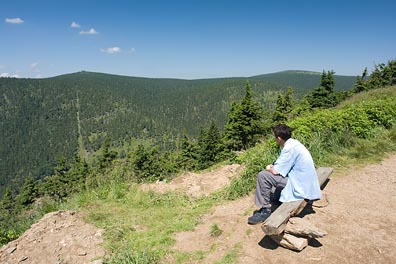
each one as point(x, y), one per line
point(293, 172)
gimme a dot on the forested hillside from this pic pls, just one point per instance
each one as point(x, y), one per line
point(303, 80)
point(45, 119)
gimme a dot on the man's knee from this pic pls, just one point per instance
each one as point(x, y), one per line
point(264, 175)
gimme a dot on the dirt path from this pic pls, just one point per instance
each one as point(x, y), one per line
point(360, 220)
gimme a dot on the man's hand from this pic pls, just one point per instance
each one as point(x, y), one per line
point(271, 169)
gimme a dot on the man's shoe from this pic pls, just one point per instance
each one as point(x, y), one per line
point(259, 216)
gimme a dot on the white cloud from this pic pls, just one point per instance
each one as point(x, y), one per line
point(111, 50)
point(33, 65)
point(16, 20)
point(91, 31)
point(6, 74)
point(75, 25)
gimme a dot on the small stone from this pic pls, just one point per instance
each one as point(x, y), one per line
point(82, 252)
point(11, 249)
point(23, 259)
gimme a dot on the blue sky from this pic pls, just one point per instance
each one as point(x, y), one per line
point(194, 39)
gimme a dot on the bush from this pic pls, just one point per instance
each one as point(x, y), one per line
point(356, 120)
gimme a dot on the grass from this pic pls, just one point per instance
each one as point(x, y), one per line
point(215, 231)
point(232, 256)
point(140, 222)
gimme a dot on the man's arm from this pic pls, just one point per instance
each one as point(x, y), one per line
point(271, 169)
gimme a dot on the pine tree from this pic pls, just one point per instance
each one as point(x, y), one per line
point(145, 163)
point(210, 146)
point(6, 202)
point(75, 177)
point(188, 156)
point(383, 75)
point(107, 155)
point(61, 167)
point(324, 95)
point(244, 122)
point(361, 83)
point(284, 105)
point(27, 193)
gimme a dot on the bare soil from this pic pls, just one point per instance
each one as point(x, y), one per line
point(59, 237)
point(198, 184)
point(359, 216)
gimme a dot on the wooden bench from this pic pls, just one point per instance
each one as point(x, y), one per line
point(276, 223)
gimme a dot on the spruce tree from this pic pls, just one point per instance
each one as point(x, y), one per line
point(284, 105)
point(383, 75)
point(244, 122)
point(27, 193)
point(6, 204)
point(361, 83)
point(210, 146)
point(324, 96)
point(107, 155)
point(188, 156)
point(146, 163)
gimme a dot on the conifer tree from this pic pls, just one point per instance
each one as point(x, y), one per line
point(324, 96)
point(107, 155)
point(145, 163)
point(361, 84)
point(61, 167)
point(6, 204)
point(27, 193)
point(244, 122)
point(284, 105)
point(209, 146)
point(188, 156)
point(383, 75)
point(76, 175)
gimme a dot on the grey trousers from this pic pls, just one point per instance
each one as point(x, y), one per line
point(268, 183)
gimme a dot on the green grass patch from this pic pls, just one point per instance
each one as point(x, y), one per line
point(215, 230)
point(140, 224)
point(232, 256)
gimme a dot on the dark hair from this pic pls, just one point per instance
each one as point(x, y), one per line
point(282, 131)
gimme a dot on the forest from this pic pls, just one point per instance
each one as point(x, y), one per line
point(43, 120)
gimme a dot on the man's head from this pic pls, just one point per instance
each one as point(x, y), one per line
point(281, 133)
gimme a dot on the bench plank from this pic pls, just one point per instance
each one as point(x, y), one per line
point(276, 222)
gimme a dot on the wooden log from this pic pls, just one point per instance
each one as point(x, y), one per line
point(300, 227)
point(290, 241)
point(276, 222)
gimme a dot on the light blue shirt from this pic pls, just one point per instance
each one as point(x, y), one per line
point(296, 163)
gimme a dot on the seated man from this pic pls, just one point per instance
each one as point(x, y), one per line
point(293, 171)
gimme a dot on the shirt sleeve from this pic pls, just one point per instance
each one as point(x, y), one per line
point(285, 162)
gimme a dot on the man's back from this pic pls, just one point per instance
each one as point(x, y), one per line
point(297, 164)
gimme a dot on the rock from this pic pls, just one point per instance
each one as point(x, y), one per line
point(23, 259)
point(11, 249)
